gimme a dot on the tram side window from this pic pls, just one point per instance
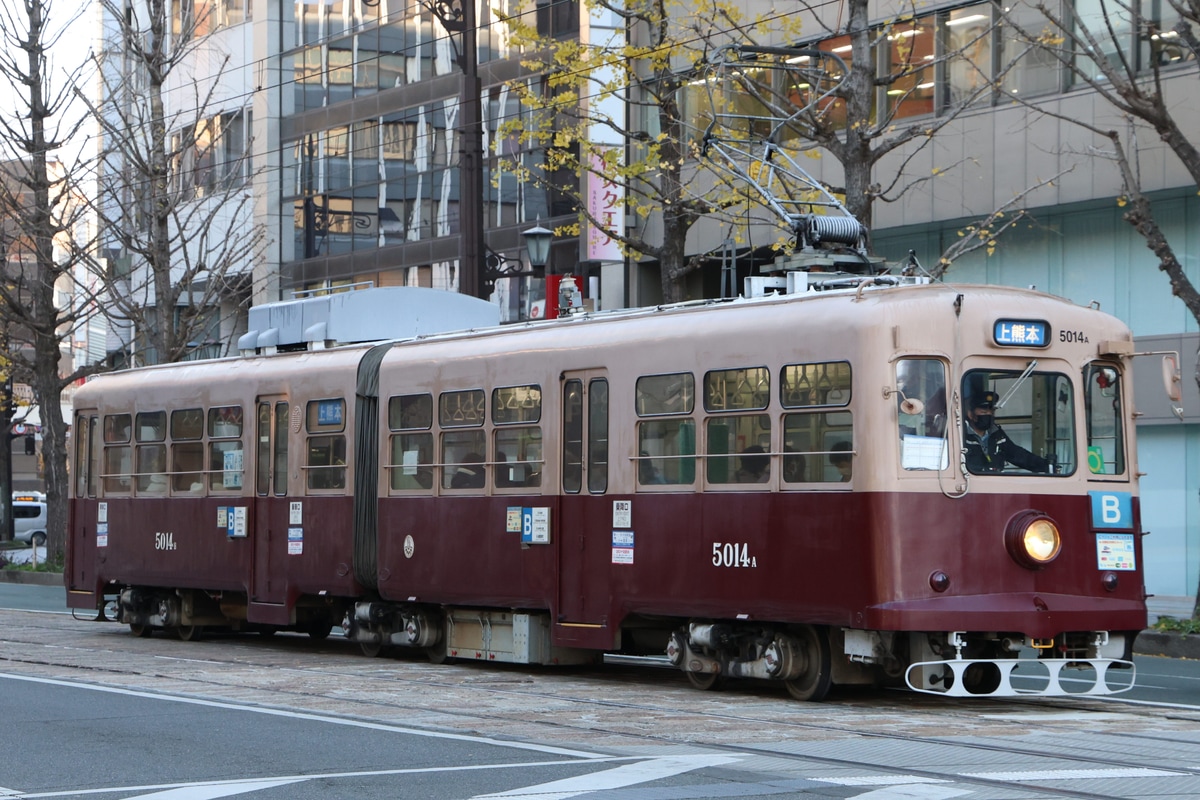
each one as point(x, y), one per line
point(464, 452)
point(150, 431)
point(921, 413)
point(1105, 432)
point(262, 453)
point(817, 444)
point(818, 447)
point(667, 443)
point(118, 456)
point(325, 426)
point(1018, 422)
point(187, 450)
point(225, 454)
point(518, 443)
point(410, 417)
point(738, 446)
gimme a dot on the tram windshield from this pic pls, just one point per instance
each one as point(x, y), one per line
point(1018, 423)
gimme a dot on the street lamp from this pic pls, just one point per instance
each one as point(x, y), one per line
point(537, 242)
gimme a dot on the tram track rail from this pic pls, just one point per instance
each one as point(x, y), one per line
point(109, 660)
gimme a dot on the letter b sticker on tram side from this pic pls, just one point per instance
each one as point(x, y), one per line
point(1112, 511)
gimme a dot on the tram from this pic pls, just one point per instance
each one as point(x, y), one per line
point(926, 485)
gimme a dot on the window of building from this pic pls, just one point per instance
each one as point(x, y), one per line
point(325, 425)
point(410, 418)
point(1031, 70)
point(666, 446)
point(968, 36)
point(912, 49)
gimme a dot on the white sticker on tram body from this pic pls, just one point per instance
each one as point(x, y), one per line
point(622, 514)
point(296, 513)
point(295, 541)
point(622, 547)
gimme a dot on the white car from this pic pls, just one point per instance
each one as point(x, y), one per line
point(29, 522)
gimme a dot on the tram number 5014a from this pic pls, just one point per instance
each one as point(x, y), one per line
point(732, 554)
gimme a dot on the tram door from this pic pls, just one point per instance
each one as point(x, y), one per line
point(585, 514)
point(271, 506)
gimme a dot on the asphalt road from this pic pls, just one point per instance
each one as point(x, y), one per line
point(93, 712)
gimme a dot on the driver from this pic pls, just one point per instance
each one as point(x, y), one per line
point(987, 446)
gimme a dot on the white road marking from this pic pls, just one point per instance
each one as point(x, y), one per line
point(285, 779)
point(914, 791)
point(211, 791)
point(879, 780)
point(1073, 774)
point(617, 778)
point(277, 712)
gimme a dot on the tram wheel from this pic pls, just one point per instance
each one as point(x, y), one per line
point(816, 678)
point(705, 681)
point(319, 630)
point(189, 633)
point(437, 654)
point(371, 649)
point(139, 630)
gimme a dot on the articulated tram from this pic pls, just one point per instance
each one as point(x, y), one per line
point(923, 485)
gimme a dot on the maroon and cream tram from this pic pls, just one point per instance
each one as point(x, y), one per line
point(776, 488)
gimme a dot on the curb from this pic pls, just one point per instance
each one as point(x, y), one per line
point(1171, 645)
point(35, 578)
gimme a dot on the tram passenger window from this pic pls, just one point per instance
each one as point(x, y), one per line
point(118, 460)
point(81, 468)
point(739, 449)
point(187, 452)
point(461, 409)
point(150, 459)
point(666, 446)
point(117, 469)
point(187, 423)
point(815, 445)
point(518, 449)
point(1105, 431)
point(116, 429)
point(225, 458)
point(151, 469)
point(1017, 422)
point(326, 452)
point(818, 384)
point(465, 457)
point(411, 465)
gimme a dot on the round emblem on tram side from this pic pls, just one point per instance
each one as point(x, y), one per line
point(408, 546)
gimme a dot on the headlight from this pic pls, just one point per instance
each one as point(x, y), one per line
point(1032, 539)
